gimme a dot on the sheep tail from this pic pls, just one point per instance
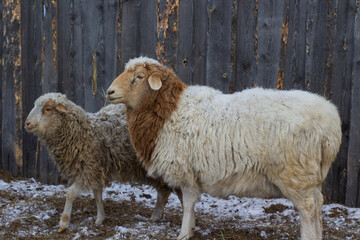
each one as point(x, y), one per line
point(329, 150)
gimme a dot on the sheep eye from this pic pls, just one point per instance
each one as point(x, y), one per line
point(140, 76)
point(47, 109)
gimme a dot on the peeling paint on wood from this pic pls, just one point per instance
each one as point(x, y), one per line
point(256, 41)
point(118, 39)
point(54, 38)
point(280, 80)
point(12, 88)
point(166, 20)
point(94, 75)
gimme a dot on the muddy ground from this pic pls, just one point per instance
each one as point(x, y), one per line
point(126, 214)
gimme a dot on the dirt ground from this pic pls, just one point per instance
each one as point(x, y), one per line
point(84, 210)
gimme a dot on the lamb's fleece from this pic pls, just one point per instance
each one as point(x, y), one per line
point(254, 143)
point(89, 149)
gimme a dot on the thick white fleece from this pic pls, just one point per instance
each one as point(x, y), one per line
point(141, 60)
point(252, 143)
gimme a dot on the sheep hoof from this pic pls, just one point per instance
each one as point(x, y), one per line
point(155, 218)
point(61, 229)
point(99, 222)
point(184, 236)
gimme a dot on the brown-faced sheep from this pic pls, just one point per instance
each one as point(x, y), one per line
point(89, 149)
point(253, 143)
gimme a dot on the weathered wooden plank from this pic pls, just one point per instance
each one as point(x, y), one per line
point(218, 67)
point(65, 11)
point(107, 71)
point(246, 38)
point(49, 82)
point(335, 185)
point(91, 33)
point(130, 28)
point(234, 18)
point(353, 163)
point(167, 16)
point(294, 76)
point(100, 61)
point(1, 79)
point(31, 68)
point(147, 28)
point(118, 37)
point(200, 30)
point(76, 51)
point(315, 39)
point(16, 20)
point(12, 89)
point(138, 30)
point(185, 53)
point(283, 45)
point(93, 42)
point(329, 50)
point(270, 19)
point(50, 79)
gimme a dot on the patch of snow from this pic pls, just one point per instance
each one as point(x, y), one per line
point(249, 210)
point(77, 236)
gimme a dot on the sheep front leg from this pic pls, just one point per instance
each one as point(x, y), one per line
point(99, 205)
point(188, 222)
point(162, 198)
point(71, 195)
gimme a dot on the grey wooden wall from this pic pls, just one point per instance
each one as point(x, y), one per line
point(78, 47)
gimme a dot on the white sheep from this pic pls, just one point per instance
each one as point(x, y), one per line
point(253, 143)
point(89, 149)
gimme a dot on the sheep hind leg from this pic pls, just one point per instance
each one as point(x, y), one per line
point(162, 198)
point(307, 209)
point(318, 197)
point(99, 205)
point(71, 195)
point(188, 222)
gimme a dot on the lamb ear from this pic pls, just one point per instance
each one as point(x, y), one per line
point(155, 81)
point(61, 108)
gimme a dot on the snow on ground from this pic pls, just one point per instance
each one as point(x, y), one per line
point(32, 202)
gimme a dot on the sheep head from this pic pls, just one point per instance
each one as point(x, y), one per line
point(140, 83)
point(46, 115)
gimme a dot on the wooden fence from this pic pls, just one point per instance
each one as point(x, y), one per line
point(78, 47)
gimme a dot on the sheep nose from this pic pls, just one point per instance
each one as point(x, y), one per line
point(110, 92)
point(27, 123)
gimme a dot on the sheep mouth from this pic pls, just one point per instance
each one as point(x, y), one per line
point(30, 129)
point(114, 99)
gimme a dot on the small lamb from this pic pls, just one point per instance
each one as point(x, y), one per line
point(254, 143)
point(90, 149)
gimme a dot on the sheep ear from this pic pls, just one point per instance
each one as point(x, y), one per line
point(61, 108)
point(155, 81)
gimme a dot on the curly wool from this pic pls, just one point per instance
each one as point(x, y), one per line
point(93, 148)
